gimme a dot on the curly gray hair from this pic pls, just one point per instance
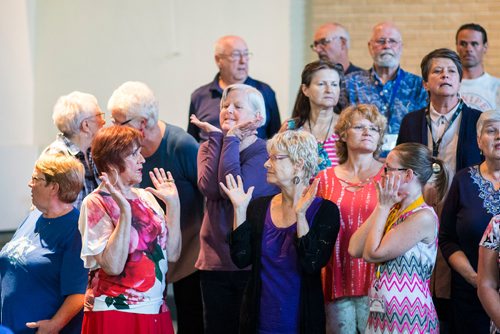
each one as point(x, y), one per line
point(300, 146)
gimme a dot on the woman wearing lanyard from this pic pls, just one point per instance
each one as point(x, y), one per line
point(401, 237)
point(448, 127)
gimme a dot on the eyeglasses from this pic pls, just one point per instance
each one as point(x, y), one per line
point(323, 42)
point(393, 169)
point(115, 122)
point(382, 41)
point(362, 128)
point(36, 178)
point(274, 157)
point(237, 55)
point(99, 115)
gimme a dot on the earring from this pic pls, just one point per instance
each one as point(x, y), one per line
point(296, 180)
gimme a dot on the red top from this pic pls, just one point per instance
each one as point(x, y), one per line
point(345, 276)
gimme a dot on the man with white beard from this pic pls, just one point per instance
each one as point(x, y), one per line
point(394, 91)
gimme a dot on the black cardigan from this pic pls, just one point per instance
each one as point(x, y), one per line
point(414, 128)
point(314, 250)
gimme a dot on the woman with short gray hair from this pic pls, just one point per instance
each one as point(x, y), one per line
point(235, 150)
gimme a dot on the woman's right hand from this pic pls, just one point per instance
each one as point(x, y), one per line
point(204, 126)
point(246, 129)
point(388, 190)
point(116, 195)
point(236, 193)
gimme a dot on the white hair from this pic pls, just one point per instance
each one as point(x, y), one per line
point(135, 99)
point(255, 99)
point(70, 111)
point(486, 117)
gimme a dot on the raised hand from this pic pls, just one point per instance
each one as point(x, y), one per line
point(164, 187)
point(247, 128)
point(304, 199)
point(236, 193)
point(114, 191)
point(388, 190)
point(204, 126)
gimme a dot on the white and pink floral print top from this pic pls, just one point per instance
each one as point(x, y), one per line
point(139, 288)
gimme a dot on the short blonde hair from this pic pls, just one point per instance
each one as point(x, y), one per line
point(64, 170)
point(368, 111)
point(299, 145)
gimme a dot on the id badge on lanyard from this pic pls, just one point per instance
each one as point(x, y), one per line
point(376, 300)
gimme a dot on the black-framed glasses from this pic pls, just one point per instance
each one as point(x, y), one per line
point(323, 42)
point(393, 169)
point(115, 122)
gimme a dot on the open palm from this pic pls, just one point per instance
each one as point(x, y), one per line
point(236, 193)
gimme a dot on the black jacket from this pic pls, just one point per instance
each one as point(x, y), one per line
point(414, 129)
point(314, 250)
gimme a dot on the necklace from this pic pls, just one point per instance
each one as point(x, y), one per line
point(323, 159)
point(327, 130)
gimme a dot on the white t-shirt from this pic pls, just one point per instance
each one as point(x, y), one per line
point(482, 93)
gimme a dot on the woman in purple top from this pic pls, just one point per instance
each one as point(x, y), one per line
point(287, 238)
point(238, 151)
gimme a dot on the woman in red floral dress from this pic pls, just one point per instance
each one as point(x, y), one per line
point(127, 239)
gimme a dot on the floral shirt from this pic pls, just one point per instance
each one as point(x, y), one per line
point(139, 288)
point(491, 240)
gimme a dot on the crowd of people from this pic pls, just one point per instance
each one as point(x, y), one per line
point(374, 208)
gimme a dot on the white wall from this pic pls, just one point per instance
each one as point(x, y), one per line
point(93, 46)
point(16, 110)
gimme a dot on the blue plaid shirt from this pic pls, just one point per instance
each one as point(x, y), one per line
point(65, 146)
point(394, 99)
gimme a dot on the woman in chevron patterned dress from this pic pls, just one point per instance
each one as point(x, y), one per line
point(400, 236)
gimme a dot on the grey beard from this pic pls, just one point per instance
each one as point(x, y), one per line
point(386, 61)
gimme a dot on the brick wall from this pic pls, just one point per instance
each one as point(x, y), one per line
point(425, 25)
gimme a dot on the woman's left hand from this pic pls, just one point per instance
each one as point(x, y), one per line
point(164, 187)
point(246, 129)
point(304, 200)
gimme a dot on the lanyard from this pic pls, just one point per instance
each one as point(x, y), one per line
point(436, 144)
point(394, 214)
point(395, 87)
